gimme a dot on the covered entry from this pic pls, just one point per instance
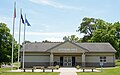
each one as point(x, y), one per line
point(67, 61)
point(67, 54)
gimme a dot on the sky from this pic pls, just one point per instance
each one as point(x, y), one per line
point(53, 19)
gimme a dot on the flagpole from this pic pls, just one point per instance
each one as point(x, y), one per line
point(19, 37)
point(24, 43)
point(13, 34)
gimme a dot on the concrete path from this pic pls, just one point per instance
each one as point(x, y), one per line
point(67, 71)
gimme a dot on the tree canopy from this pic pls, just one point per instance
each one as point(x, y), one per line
point(71, 38)
point(97, 30)
point(6, 45)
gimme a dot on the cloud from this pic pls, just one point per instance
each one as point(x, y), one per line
point(48, 33)
point(50, 36)
point(5, 19)
point(55, 4)
point(54, 39)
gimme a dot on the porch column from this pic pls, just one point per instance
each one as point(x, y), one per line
point(83, 59)
point(51, 59)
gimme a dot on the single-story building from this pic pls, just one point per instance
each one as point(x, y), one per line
point(68, 54)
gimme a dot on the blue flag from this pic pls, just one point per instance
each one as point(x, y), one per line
point(26, 21)
point(22, 19)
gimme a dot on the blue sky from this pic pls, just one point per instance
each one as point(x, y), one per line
point(53, 19)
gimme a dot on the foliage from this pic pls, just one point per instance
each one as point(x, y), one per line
point(77, 67)
point(6, 45)
point(26, 41)
point(71, 38)
point(46, 41)
point(97, 30)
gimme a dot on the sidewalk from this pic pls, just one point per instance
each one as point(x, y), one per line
point(67, 71)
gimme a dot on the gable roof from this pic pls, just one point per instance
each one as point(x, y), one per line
point(38, 47)
point(90, 47)
point(97, 47)
point(69, 42)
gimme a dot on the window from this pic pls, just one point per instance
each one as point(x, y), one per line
point(102, 59)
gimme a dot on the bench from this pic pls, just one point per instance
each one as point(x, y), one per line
point(51, 67)
point(45, 68)
point(39, 67)
point(24, 70)
point(92, 68)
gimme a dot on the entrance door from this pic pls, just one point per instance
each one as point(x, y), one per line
point(67, 61)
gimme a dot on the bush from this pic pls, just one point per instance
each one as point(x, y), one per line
point(57, 66)
point(78, 67)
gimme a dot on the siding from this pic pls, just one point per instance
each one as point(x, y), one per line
point(57, 58)
point(78, 58)
point(110, 59)
point(37, 58)
point(97, 58)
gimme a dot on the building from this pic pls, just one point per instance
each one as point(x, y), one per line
point(68, 54)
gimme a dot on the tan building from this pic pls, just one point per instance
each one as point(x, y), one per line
point(68, 54)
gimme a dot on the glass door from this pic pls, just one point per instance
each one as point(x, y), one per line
point(67, 61)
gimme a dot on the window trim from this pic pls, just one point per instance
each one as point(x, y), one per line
point(103, 59)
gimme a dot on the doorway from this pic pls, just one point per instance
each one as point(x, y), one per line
point(67, 61)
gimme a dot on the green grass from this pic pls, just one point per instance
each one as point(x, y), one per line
point(114, 71)
point(30, 73)
point(117, 63)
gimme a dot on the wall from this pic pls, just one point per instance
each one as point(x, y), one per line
point(36, 60)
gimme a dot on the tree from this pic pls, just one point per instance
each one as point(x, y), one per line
point(46, 41)
point(110, 34)
point(71, 38)
point(6, 45)
point(89, 25)
point(26, 41)
point(97, 30)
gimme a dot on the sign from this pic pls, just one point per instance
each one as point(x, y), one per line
point(101, 63)
point(67, 49)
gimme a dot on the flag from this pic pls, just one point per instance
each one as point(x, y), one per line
point(28, 24)
point(26, 21)
point(14, 9)
point(22, 19)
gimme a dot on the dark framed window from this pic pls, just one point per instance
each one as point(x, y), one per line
point(103, 59)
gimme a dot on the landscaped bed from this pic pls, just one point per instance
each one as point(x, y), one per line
point(4, 71)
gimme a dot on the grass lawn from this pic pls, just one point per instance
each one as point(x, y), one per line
point(29, 73)
point(114, 71)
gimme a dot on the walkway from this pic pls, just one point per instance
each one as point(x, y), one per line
point(67, 71)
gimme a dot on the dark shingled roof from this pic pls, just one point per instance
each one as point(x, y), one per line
point(97, 47)
point(91, 47)
point(39, 47)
